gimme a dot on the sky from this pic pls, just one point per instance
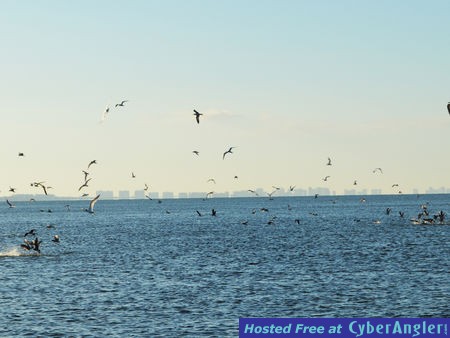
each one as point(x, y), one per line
point(287, 83)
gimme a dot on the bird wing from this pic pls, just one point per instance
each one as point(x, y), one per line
point(92, 203)
point(448, 107)
point(9, 203)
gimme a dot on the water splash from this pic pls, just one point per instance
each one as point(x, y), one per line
point(13, 252)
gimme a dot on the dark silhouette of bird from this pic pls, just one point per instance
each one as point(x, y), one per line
point(196, 152)
point(229, 151)
point(85, 184)
point(92, 162)
point(197, 116)
point(21, 155)
point(133, 175)
point(55, 239)
point(13, 190)
point(10, 204)
point(211, 180)
point(326, 178)
point(121, 104)
point(198, 213)
point(355, 182)
point(329, 161)
point(291, 188)
point(448, 107)
point(378, 170)
point(213, 212)
point(32, 232)
point(85, 175)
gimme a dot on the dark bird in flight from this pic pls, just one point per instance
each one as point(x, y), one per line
point(326, 178)
point(355, 182)
point(133, 175)
point(85, 184)
point(13, 190)
point(121, 104)
point(229, 151)
point(21, 155)
point(197, 116)
point(291, 188)
point(32, 232)
point(395, 185)
point(329, 161)
point(85, 175)
point(211, 180)
point(145, 187)
point(448, 107)
point(209, 194)
point(92, 162)
point(378, 169)
point(10, 204)
point(196, 152)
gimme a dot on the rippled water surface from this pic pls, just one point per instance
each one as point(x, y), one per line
point(140, 268)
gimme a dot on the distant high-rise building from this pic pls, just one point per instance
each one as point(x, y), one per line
point(105, 194)
point(183, 195)
point(167, 194)
point(124, 194)
point(139, 194)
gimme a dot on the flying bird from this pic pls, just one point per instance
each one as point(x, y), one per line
point(197, 116)
point(121, 104)
point(92, 203)
point(448, 107)
point(377, 169)
point(133, 175)
point(326, 178)
point(21, 155)
point(196, 152)
point(291, 188)
point(329, 161)
point(211, 180)
point(13, 190)
point(355, 182)
point(92, 162)
point(105, 112)
point(229, 151)
point(10, 204)
point(85, 184)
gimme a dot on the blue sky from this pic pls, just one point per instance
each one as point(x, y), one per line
point(289, 83)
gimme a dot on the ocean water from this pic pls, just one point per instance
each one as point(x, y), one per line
point(139, 268)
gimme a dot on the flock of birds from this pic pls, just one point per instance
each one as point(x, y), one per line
point(28, 244)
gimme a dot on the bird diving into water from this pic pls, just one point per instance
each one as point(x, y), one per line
point(91, 204)
point(197, 116)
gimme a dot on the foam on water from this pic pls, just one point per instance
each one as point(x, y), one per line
point(12, 252)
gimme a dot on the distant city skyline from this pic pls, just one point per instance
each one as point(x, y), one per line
point(286, 84)
point(138, 194)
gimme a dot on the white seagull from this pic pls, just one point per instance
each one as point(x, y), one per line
point(91, 204)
